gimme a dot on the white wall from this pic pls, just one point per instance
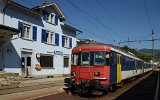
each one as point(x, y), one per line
point(14, 49)
point(1, 10)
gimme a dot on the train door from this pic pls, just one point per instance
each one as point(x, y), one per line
point(119, 72)
point(85, 68)
point(113, 67)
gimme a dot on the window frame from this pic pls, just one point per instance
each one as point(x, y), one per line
point(111, 56)
point(50, 18)
point(64, 61)
point(89, 59)
point(44, 67)
point(24, 29)
point(66, 41)
point(104, 57)
point(50, 40)
point(77, 60)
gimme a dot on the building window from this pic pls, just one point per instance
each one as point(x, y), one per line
point(50, 37)
point(46, 60)
point(66, 42)
point(66, 61)
point(50, 18)
point(26, 33)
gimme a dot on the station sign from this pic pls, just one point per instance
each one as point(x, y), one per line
point(58, 53)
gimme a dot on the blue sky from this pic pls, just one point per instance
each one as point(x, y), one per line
point(111, 21)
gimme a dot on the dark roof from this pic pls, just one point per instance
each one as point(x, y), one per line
point(68, 26)
point(16, 31)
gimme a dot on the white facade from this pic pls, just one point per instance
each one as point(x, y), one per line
point(22, 50)
point(1, 12)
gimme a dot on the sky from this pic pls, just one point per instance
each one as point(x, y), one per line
point(111, 21)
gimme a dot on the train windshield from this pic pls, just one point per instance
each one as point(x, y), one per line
point(99, 58)
point(86, 58)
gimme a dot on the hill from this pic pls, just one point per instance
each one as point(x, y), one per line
point(149, 51)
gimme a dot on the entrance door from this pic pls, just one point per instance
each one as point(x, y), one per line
point(113, 67)
point(85, 69)
point(26, 64)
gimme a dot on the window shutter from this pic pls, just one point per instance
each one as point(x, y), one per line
point(56, 20)
point(57, 39)
point(43, 39)
point(63, 41)
point(70, 42)
point(34, 36)
point(20, 27)
point(44, 15)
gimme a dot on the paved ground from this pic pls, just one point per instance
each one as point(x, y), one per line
point(130, 91)
point(33, 88)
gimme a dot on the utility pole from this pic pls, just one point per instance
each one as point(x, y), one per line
point(128, 41)
point(153, 48)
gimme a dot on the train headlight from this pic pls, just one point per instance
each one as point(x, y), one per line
point(96, 73)
point(73, 73)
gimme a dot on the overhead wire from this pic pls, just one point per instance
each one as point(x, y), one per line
point(93, 24)
point(148, 15)
point(96, 17)
point(86, 30)
point(113, 17)
point(99, 22)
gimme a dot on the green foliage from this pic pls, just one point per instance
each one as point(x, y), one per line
point(149, 51)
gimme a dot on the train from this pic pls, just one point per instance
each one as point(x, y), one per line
point(97, 67)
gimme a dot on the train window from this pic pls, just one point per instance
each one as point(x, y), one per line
point(85, 58)
point(127, 61)
point(122, 61)
point(107, 59)
point(74, 59)
point(111, 59)
point(99, 58)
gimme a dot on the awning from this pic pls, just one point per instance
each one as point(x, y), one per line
point(6, 33)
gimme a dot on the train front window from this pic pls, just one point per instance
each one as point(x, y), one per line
point(85, 58)
point(74, 59)
point(99, 58)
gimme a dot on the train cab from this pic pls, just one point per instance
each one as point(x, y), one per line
point(91, 67)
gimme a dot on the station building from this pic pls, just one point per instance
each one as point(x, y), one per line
point(41, 43)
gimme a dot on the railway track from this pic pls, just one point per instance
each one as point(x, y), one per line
point(139, 89)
